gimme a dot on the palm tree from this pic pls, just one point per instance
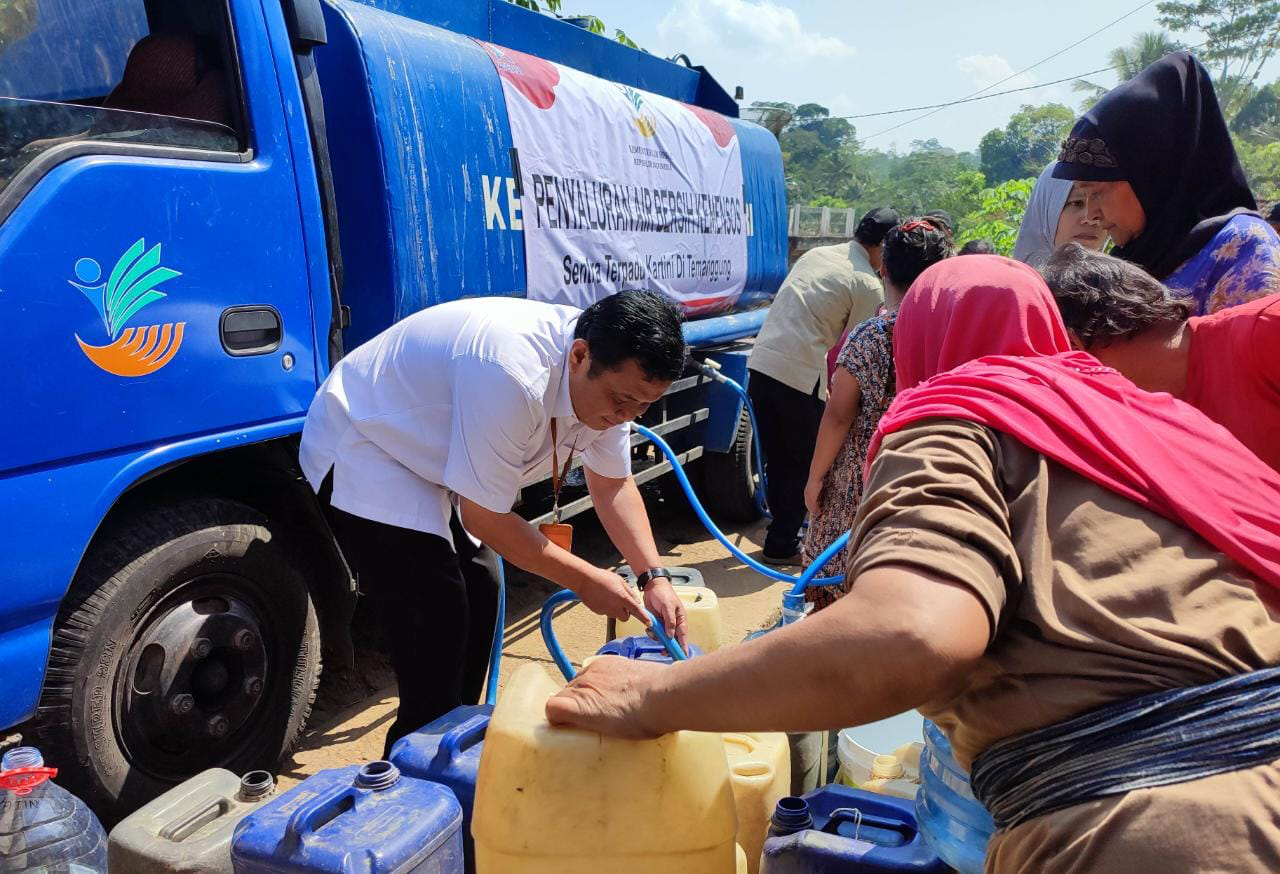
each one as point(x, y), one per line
point(1128, 61)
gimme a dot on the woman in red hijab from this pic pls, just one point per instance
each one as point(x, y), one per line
point(1093, 622)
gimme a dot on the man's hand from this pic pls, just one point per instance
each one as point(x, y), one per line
point(813, 496)
point(661, 599)
point(608, 697)
point(605, 593)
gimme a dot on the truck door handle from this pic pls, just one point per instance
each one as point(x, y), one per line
point(253, 330)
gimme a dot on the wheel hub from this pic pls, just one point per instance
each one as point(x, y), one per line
point(194, 677)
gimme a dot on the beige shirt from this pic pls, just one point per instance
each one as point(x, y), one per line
point(1092, 600)
point(830, 290)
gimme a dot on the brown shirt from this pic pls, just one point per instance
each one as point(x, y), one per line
point(1092, 599)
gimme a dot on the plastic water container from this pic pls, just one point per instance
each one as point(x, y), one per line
point(447, 751)
point(702, 610)
point(362, 818)
point(759, 764)
point(760, 769)
point(954, 823)
point(568, 801)
point(188, 829)
point(644, 649)
point(840, 830)
point(43, 827)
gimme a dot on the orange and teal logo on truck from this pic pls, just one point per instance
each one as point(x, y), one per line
point(132, 285)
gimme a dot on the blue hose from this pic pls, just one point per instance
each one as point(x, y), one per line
point(719, 535)
point(564, 596)
point(495, 648)
point(794, 598)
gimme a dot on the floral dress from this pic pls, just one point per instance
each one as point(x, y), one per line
point(1241, 263)
point(868, 356)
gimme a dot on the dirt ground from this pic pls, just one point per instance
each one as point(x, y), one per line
point(355, 707)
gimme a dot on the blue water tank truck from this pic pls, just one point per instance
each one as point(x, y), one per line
point(202, 204)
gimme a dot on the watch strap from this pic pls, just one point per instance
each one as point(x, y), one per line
point(650, 575)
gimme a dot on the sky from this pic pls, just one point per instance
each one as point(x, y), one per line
point(855, 57)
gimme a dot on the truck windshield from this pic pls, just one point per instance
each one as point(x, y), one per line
point(96, 70)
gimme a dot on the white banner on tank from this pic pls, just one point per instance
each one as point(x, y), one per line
point(623, 189)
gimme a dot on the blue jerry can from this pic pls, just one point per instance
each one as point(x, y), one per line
point(366, 818)
point(447, 751)
point(840, 829)
point(644, 649)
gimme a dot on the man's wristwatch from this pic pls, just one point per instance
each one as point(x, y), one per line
point(650, 575)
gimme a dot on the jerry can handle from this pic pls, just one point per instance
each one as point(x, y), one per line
point(194, 819)
point(317, 812)
point(860, 819)
point(463, 735)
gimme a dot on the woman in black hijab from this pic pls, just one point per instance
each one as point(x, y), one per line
point(1156, 164)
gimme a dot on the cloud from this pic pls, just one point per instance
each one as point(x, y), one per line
point(989, 69)
point(748, 26)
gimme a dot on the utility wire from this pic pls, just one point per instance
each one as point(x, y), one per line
point(1059, 53)
point(1003, 93)
point(976, 99)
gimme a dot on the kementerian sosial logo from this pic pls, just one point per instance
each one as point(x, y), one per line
point(132, 285)
point(644, 121)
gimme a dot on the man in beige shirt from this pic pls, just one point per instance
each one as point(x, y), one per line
point(830, 290)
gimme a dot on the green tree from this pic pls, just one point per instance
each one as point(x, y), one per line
point(1259, 120)
point(1027, 143)
point(1261, 163)
point(773, 115)
point(1240, 37)
point(998, 216)
point(589, 22)
point(1128, 61)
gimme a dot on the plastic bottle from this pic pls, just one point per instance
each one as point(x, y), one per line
point(43, 826)
point(954, 823)
point(760, 770)
point(888, 777)
point(567, 801)
point(188, 829)
point(794, 608)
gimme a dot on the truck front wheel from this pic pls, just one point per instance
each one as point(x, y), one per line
point(188, 641)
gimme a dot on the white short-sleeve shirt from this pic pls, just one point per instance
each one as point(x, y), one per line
point(454, 400)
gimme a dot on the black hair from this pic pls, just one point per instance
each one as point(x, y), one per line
point(875, 224)
point(639, 325)
point(979, 247)
point(943, 218)
point(913, 247)
point(1104, 299)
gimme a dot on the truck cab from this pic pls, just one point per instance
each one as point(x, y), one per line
point(201, 205)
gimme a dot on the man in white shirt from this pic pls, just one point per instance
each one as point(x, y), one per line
point(438, 421)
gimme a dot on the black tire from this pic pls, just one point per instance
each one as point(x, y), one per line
point(730, 477)
point(188, 640)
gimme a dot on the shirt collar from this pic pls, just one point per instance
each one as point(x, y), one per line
point(562, 407)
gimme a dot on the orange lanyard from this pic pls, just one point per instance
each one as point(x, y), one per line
point(558, 474)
